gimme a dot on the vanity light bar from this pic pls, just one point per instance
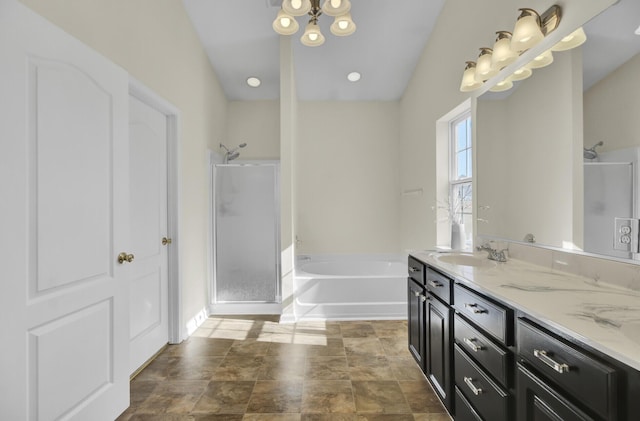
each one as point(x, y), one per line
point(530, 29)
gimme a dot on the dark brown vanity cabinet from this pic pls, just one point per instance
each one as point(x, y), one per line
point(539, 402)
point(430, 320)
point(483, 360)
point(438, 349)
point(416, 321)
point(489, 361)
point(573, 384)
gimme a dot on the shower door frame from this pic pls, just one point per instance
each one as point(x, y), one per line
point(242, 307)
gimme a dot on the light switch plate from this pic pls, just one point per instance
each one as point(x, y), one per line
point(625, 237)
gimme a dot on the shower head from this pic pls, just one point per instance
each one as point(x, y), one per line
point(591, 152)
point(232, 154)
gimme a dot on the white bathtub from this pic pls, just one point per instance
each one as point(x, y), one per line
point(350, 287)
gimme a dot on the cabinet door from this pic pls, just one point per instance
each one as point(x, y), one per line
point(538, 402)
point(416, 315)
point(438, 352)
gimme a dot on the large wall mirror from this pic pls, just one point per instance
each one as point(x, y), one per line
point(558, 154)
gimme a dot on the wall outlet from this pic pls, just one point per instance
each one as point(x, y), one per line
point(625, 237)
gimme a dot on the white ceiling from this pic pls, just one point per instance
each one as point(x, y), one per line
point(240, 42)
point(390, 37)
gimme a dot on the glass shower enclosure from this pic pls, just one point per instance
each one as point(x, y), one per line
point(246, 234)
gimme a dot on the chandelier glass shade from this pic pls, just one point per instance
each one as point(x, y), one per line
point(296, 7)
point(285, 22)
point(312, 36)
point(336, 7)
point(343, 25)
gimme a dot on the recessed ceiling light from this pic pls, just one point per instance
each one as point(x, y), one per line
point(353, 76)
point(254, 82)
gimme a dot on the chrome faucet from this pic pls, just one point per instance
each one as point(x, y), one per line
point(493, 254)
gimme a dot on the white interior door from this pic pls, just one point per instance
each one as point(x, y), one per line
point(64, 220)
point(148, 301)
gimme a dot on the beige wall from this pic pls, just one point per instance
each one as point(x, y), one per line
point(347, 177)
point(346, 172)
point(612, 109)
point(154, 41)
point(258, 124)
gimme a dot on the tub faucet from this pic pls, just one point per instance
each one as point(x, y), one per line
point(493, 254)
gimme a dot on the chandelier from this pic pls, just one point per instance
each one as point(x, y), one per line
point(286, 24)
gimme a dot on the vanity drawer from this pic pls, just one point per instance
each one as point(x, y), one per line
point(416, 270)
point(439, 285)
point(536, 401)
point(490, 356)
point(489, 316)
point(490, 401)
point(582, 377)
point(464, 410)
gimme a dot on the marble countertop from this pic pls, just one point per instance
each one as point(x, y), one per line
point(603, 316)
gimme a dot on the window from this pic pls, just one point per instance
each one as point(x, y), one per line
point(461, 170)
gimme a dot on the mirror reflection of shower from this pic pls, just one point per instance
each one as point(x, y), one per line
point(591, 153)
point(231, 154)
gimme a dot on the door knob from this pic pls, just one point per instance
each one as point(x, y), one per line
point(124, 257)
point(166, 241)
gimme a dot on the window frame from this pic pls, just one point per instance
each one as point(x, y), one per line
point(454, 182)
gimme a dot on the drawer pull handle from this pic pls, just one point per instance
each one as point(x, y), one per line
point(413, 269)
point(476, 390)
point(435, 284)
point(542, 356)
point(475, 308)
point(472, 344)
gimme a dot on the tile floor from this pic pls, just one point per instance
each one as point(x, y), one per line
point(252, 368)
